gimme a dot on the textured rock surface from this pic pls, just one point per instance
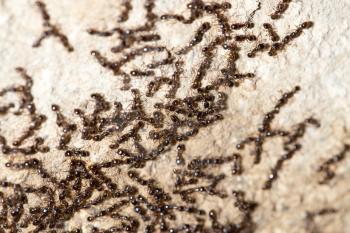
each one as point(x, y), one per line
point(317, 61)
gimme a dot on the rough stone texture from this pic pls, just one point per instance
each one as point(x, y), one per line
point(317, 61)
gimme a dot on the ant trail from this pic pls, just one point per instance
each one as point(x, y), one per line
point(50, 29)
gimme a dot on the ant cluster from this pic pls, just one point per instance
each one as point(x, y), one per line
point(141, 203)
point(63, 198)
point(197, 179)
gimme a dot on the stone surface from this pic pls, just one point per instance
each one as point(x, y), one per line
point(317, 61)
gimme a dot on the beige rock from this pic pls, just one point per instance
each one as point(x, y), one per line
point(317, 61)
